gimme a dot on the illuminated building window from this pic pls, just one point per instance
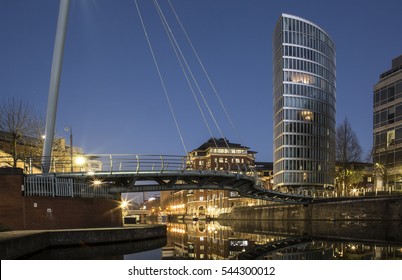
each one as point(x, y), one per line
point(307, 115)
point(390, 137)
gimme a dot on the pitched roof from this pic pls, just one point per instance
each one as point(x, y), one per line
point(220, 143)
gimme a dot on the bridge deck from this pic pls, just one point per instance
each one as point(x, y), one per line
point(139, 173)
point(124, 181)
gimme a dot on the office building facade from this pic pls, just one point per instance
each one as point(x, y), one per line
point(387, 128)
point(304, 97)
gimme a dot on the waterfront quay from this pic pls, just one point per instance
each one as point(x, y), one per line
point(20, 243)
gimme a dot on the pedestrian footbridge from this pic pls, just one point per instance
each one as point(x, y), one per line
point(116, 174)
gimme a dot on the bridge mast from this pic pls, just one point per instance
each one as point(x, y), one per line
point(54, 84)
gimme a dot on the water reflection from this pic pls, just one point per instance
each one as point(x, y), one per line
point(283, 240)
point(278, 240)
point(112, 251)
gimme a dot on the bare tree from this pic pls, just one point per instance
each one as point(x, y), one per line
point(348, 151)
point(348, 148)
point(387, 174)
point(21, 127)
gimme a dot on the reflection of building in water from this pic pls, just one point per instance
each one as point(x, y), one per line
point(320, 250)
point(354, 251)
point(212, 241)
point(197, 240)
point(307, 251)
point(209, 241)
point(216, 154)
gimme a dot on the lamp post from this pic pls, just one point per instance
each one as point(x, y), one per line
point(69, 129)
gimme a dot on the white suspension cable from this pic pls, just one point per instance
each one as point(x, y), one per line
point(206, 73)
point(214, 89)
point(175, 46)
point(180, 57)
point(160, 76)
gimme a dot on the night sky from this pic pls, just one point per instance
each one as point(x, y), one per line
point(112, 97)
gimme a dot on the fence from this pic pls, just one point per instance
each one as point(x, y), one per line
point(50, 185)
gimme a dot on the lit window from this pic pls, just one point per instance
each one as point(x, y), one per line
point(306, 115)
point(390, 137)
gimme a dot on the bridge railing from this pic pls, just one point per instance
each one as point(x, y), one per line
point(113, 163)
point(106, 163)
point(59, 183)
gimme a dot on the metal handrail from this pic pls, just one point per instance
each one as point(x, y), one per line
point(120, 163)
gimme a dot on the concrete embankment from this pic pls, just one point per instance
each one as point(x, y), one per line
point(367, 208)
point(15, 244)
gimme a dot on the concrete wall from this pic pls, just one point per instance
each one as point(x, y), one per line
point(19, 212)
point(109, 242)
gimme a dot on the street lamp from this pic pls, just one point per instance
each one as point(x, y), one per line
point(80, 161)
point(70, 129)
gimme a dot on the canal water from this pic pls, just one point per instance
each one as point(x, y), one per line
point(276, 240)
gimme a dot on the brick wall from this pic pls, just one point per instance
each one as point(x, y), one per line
point(11, 200)
point(19, 212)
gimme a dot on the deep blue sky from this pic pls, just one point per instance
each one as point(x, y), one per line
point(110, 92)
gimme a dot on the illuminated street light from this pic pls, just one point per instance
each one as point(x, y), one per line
point(124, 204)
point(97, 182)
point(80, 161)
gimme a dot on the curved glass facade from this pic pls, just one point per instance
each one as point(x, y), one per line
point(304, 105)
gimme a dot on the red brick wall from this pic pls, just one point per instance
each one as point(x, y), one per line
point(18, 212)
point(11, 201)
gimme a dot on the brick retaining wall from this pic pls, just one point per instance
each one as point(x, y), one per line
point(19, 212)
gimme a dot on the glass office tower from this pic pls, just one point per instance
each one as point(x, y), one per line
point(304, 105)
